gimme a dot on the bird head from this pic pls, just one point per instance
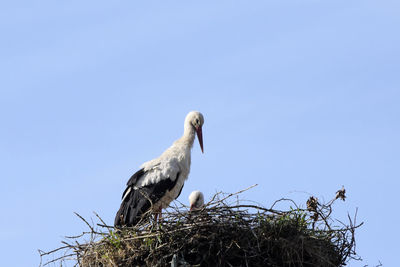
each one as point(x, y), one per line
point(196, 120)
point(196, 200)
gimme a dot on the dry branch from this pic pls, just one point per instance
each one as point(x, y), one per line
point(221, 234)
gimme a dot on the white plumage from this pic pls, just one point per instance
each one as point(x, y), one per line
point(196, 200)
point(159, 181)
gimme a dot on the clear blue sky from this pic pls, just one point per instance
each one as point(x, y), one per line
point(298, 96)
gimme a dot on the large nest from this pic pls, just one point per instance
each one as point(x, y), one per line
point(223, 233)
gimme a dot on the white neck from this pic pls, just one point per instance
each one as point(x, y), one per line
point(188, 135)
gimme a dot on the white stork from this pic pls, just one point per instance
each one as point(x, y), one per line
point(159, 181)
point(196, 200)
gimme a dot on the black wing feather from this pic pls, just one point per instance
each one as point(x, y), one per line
point(139, 201)
point(133, 180)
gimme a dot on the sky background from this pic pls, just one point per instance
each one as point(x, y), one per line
point(300, 97)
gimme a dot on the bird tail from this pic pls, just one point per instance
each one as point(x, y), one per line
point(133, 206)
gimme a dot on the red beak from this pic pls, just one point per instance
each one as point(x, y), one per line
point(200, 137)
point(191, 207)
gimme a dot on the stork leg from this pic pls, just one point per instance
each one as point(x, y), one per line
point(158, 215)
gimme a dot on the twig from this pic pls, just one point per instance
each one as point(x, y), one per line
point(230, 195)
point(238, 232)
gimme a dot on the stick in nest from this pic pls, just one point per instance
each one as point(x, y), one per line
point(220, 235)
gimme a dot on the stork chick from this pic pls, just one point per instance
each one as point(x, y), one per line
point(159, 181)
point(196, 200)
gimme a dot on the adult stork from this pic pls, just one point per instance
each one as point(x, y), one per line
point(159, 181)
point(196, 200)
